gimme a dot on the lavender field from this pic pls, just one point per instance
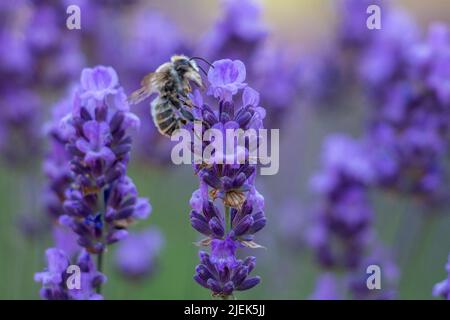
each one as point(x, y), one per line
point(94, 206)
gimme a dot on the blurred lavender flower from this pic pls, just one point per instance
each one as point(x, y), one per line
point(65, 239)
point(352, 28)
point(241, 34)
point(326, 75)
point(143, 52)
point(357, 280)
point(341, 231)
point(292, 224)
point(54, 278)
point(345, 214)
point(409, 118)
point(226, 78)
point(327, 288)
point(35, 43)
point(230, 183)
point(136, 255)
point(19, 122)
point(384, 59)
point(56, 164)
point(238, 32)
point(442, 289)
point(222, 282)
point(59, 177)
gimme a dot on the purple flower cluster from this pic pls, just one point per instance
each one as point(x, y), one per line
point(136, 255)
point(230, 185)
point(89, 196)
point(341, 232)
point(56, 282)
point(56, 165)
point(103, 200)
point(241, 34)
point(442, 289)
point(327, 76)
point(238, 33)
point(410, 114)
point(59, 177)
point(352, 28)
point(345, 214)
point(35, 44)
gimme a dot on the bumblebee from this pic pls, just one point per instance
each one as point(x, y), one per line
point(171, 81)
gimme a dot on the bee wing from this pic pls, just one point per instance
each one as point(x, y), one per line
point(149, 85)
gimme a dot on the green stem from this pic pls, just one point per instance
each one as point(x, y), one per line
point(99, 269)
point(227, 220)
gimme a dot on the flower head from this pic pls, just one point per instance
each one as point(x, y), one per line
point(226, 78)
point(99, 82)
point(227, 179)
point(442, 289)
point(54, 278)
point(136, 255)
point(99, 144)
point(223, 281)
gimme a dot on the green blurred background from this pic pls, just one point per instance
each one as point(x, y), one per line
point(286, 273)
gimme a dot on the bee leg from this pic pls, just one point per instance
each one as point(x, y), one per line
point(188, 103)
point(187, 114)
point(184, 113)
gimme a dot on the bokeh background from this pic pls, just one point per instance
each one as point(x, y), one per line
point(287, 266)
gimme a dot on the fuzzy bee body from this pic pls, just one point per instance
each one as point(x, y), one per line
point(170, 110)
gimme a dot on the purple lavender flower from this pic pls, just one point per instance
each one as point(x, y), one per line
point(442, 289)
point(341, 232)
point(226, 78)
point(222, 282)
point(271, 71)
point(357, 279)
point(150, 49)
point(237, 33)
point(56, 164)
point(103, 200)
point(353, 31)
point(19, 122)
point(223, 253)
point(30, 66)
point(54, 278)
point(409, 119)
point(136, 255)
point(98, 83)
point(241, 34)
point(345, 214)
point(230, 183)
point(327, 288)
point(384, 58)
point(65, 239)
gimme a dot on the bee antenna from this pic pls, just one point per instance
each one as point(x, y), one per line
point(203, 70)
point(202, 59)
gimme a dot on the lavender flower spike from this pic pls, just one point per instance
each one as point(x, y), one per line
point(97, 200)
point(442, 289)
point(226, 78)
point(103, 200)
point(136, 255)
point(54, 278)
point(227, 209)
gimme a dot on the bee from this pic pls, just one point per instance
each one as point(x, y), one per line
point(171, 81)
